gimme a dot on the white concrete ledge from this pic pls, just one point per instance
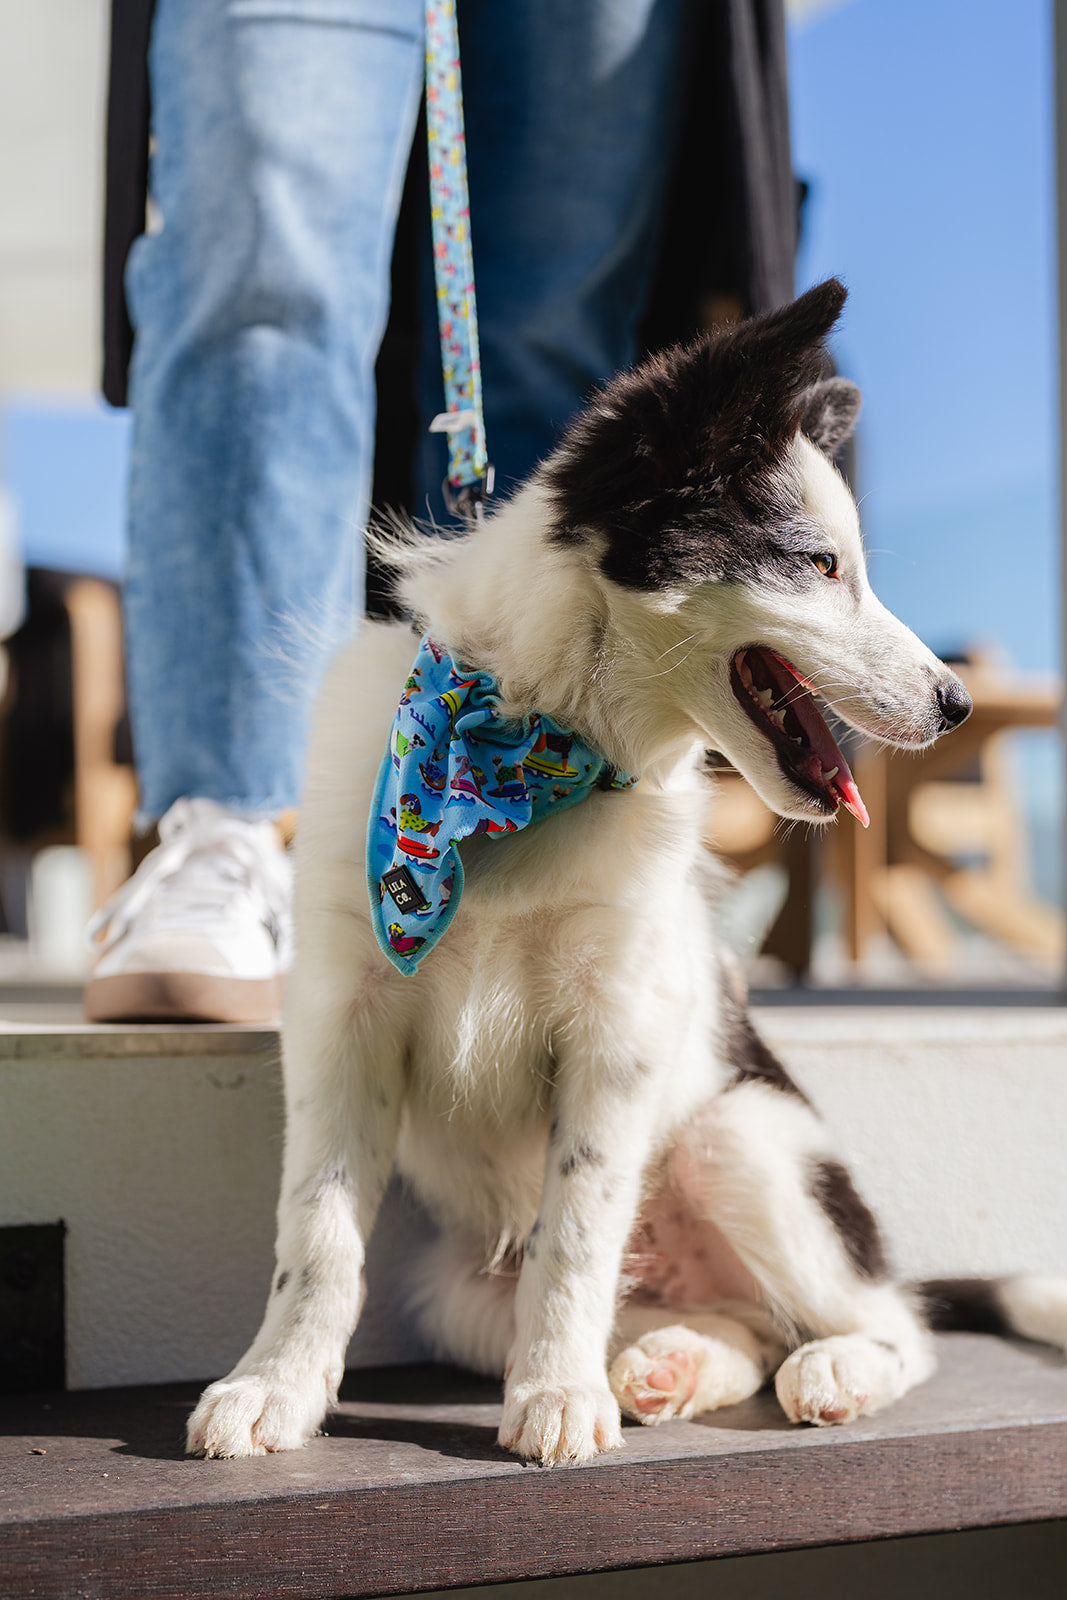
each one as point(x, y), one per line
point(834, 1016)
point(82, 1041)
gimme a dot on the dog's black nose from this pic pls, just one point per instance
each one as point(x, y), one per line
point(954, 703)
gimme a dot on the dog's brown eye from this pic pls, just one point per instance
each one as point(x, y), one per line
point(825, 563)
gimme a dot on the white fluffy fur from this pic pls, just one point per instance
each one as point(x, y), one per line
point(575, 989)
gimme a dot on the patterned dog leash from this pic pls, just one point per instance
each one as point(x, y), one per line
point(470, 477)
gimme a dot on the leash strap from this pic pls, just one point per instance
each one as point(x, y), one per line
point(470, 477)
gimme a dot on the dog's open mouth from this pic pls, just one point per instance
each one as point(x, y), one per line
point(781, 703)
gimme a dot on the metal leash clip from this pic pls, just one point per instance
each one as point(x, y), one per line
point(467, 500)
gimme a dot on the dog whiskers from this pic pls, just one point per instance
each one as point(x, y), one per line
point(648, 677)
point(671, 648)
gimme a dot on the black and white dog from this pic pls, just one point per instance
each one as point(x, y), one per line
point(637, 1207)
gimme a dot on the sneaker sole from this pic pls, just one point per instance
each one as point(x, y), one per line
point(182, 997)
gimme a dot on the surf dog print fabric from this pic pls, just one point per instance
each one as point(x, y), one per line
point(454, 769)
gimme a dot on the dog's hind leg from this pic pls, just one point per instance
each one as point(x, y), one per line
point(664, 1367)
point(675, 1364)
point(465, 1313)
point(755, 1162)
point(344, 1084)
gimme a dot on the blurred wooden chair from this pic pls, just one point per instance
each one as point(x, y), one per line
point(745, 834)
point(947, 834)
point(105, 785)
point(67, 772)
point(946, 837)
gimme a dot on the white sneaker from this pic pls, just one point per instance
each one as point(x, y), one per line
point(202, 929)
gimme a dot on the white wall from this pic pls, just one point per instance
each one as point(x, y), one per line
point(53, 57)
point(954, 1123)
point(165, 1170)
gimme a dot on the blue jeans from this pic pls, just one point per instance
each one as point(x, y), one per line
point(282, 130)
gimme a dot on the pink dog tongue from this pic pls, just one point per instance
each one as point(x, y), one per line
point(825, 757)
point(851, 799)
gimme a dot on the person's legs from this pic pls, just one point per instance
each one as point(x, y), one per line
point(571, 117)
point(281, 132)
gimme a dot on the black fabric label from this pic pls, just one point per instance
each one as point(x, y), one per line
point(404, 890)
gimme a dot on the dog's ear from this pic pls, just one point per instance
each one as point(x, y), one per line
point(830, 412)
point(658, 449)
point(701, 412)
point(766, 366)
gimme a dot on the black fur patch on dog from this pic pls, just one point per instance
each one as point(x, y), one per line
point(680, 466)
point(967, 1305)
point(751, 1060)
point(858, 1231)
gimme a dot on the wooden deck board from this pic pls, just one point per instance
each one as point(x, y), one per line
point(409, 1490)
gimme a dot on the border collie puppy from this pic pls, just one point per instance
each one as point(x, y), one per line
point(507, 984)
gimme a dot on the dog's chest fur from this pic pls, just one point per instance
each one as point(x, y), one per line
point(547, 950)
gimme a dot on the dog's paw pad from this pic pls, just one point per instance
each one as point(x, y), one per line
point(657, 1377)
point(252, 1416)
point(678, 1371)
point(557, 1426)
point(836, 1380)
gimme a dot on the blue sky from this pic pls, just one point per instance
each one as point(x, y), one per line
point(65, 460)
point(925, 130)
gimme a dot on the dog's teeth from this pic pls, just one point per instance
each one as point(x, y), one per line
point(828, 777)
point(765, 697)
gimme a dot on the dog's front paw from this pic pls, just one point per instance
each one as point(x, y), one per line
point(253, 1413)
point(557, 1425)
point(838, 1379)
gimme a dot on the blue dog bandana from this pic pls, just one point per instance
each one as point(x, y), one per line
point(454, 768)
